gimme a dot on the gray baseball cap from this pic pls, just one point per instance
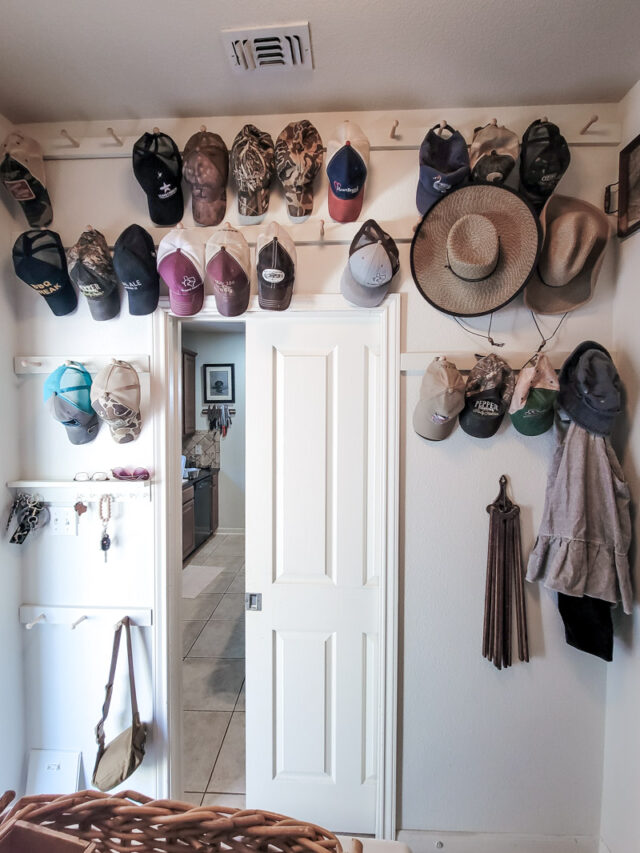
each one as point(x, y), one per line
point(441, 400)
point(81, 426)
point(373, 262)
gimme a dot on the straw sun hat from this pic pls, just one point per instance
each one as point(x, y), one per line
point(475, 250)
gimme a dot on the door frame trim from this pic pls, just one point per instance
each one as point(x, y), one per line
point(166, 403)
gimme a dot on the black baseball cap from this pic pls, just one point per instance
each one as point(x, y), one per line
point(91, 268)
point(134, 260)
point(157, 166)
point(544, 158)
point(444, 165)
point(276, 265)
point(487, 396)
point(39, 260)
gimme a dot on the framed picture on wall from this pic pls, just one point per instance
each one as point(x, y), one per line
point(218, 383)
point(629, 189)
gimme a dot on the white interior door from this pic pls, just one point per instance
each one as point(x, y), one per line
point(313, 551)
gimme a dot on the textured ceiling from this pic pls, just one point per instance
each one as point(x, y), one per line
point(95, 59)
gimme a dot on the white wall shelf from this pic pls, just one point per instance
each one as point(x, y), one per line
point(90, 491)
point(23, 364)
point(37, 615)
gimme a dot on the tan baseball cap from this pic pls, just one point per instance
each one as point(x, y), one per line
point(441, 399)
point(115, 397)
point(493, 153)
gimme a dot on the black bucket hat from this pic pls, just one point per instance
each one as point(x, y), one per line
point(590, 388)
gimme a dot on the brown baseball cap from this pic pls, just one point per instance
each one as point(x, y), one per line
point(205, 167)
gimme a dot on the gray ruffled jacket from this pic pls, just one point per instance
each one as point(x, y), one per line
point(583, 543)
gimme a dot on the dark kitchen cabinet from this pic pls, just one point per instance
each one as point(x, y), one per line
point(188, 521)
point(188, 392)
point(214, 502)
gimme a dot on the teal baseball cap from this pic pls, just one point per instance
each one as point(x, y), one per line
point(67, 393)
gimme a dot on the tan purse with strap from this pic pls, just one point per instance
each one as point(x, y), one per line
point(117, 761)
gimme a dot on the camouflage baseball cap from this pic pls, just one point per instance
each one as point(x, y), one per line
point(299, 156)
point(487, 396)
point(91, 268)
point(22, 173)
point(253, 166)
point(205, 166)
point(115, 397)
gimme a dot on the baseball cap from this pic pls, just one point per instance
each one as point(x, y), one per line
point(441, 399)
point(444, 165)
point(590, 388)
point(493, 153)
point(228, 270)
point(544, 158)
point(487, 396)
point(373, 261)
point(115, 397)
point(347, 165)
point(134, 260)
point(299, 154)
point(91, 268)
point(181, 265)
point(39, 260)
point(67, 395)
point(253, 166)
point(22, 173)
point(158, 169)
point(205, 167)
point(533, 403)
point(276, 263)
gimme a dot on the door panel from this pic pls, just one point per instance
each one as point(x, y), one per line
point(313, 549)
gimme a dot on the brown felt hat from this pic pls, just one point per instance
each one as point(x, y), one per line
point(475, 249)
point(575, 236)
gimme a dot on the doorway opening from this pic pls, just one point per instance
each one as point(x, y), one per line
point(213, 569)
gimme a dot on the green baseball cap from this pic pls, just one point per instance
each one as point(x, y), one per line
point(533, 404)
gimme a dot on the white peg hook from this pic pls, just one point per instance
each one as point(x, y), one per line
point(592, 120)
point(40, 618)
point(203, 128)
point(394, 127)
point(442, 126)
point(494, 122)
point(322, 229)
point(78, 621)
point(115, 136)
point(156, 130)
point(67, 135)
point(545, 119)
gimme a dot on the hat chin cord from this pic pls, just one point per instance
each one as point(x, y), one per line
point(487, 337)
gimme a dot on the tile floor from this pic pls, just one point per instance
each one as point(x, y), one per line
point(213, 679)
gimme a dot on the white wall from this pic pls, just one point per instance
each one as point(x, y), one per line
point(12, 738)
point(620, 816)
point(216, 347)
point(518, 751)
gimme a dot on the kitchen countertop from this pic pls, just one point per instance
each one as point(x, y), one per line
point(204, 472)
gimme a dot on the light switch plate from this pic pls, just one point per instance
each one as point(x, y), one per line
point(63, 521)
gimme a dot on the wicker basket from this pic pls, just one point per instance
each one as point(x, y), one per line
point(127, 822)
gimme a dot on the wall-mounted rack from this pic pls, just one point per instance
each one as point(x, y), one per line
point(67, 492)
point(417, 362)
point(23, 364)
point(54, 614)
point(232, 409)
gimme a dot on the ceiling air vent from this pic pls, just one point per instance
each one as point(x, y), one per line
point(263, 48)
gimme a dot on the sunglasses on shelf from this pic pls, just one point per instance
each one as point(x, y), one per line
point(84, 476)
point(136, 474)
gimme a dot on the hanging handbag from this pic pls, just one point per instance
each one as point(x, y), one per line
point(117, 761)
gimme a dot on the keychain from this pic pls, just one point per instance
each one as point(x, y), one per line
point(30, 513)
point(105, 518)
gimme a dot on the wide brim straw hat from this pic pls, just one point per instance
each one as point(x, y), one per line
point(475, 250)
point(575, 237)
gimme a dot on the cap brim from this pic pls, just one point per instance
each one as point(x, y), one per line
point(275, 298)
point(63, 302)
point(358, 294)
point(479, 426)
point(532, 426)
point(425, 199)
point(143, 303)
point(231, 305)
point(254, 204)
point(167, 211)
point(299, 201)
point(186, 304)
point(125, 434)
point(545, 299)
point(78, 434)
point(423, 423)
point(106, 307)
point(345, 209)
point(209, 211)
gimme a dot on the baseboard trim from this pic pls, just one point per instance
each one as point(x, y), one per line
point(485, 842)
point(230, 531)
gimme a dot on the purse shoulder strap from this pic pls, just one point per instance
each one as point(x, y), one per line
point(126, 622)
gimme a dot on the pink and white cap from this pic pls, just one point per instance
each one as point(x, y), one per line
point(181, 267)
